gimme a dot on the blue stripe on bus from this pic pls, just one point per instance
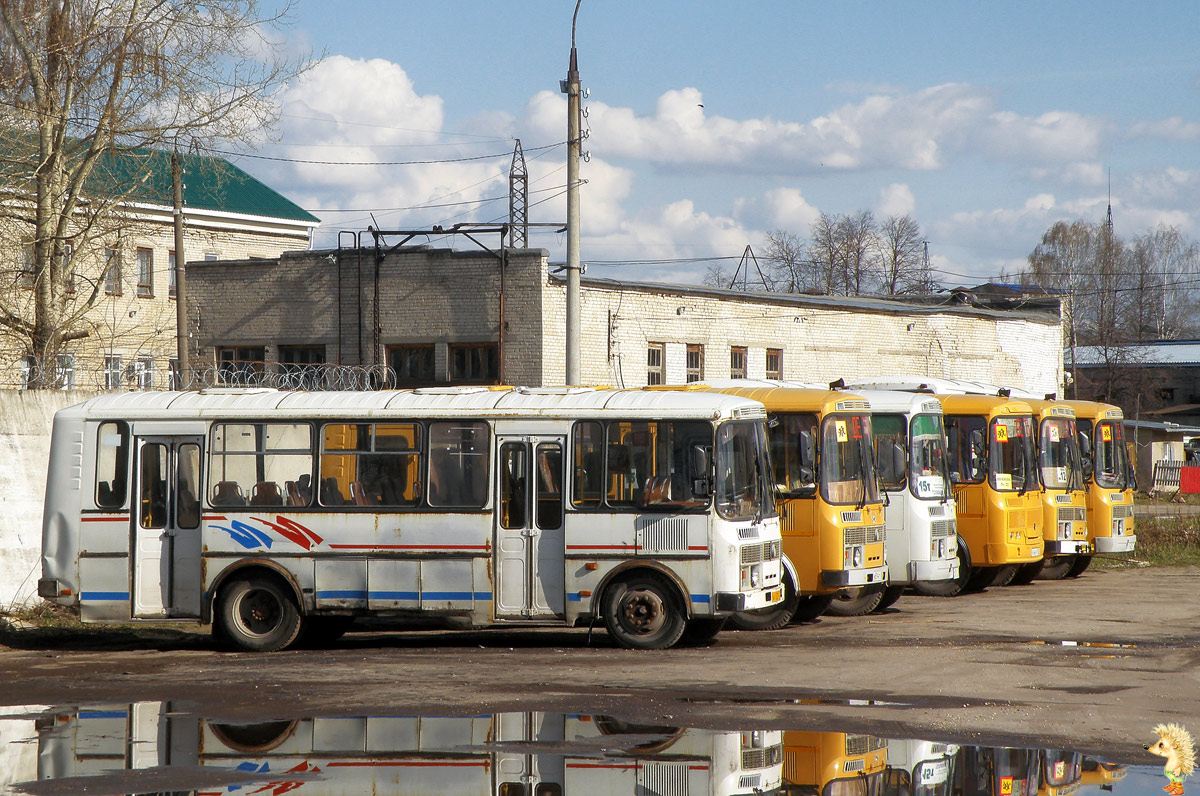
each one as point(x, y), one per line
point(574, 597)
point(103, 714)
point(352, 594)
point(700, 598)
point(104, 595)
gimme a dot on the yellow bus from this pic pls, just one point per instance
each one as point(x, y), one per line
point(1108, 478)
point(827, 495)
point(1064, 511)
point(833, 763)
point(1061, 772)
point(992, 458)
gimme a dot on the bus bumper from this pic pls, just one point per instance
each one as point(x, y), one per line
point(738, 601)
point(1069, 547)
point(841, 578)
point(1116, 544)
point(945, 569)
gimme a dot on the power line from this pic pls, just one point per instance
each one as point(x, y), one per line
point(375, 162)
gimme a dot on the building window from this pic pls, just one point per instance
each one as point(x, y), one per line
point(210, 257)
point(112, 372)
point(112, 272)
point(695, 362)
point(171, 274)
point(474, 363)
point(301, 365)
point(64, 372)
point(174, 382)
point(655, 358)
point(143, 373)
point(240, 366)
point(411, 365)
point(145, 270)
point(737, 362)
point(775, 363)
point(27, 367)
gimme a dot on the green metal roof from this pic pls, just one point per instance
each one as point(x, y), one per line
point(210, 183)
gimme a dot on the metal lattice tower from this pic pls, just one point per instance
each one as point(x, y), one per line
point(518, 200)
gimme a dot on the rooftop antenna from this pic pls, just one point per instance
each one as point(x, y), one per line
point(747, 257)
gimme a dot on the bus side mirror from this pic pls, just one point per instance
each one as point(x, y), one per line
point(701, 468)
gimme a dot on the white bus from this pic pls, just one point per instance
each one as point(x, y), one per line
point(270, 513)
point(504, 754)
point(910, 462)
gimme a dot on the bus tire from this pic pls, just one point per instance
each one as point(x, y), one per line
point(890, 595)
point(979, 579)
point(1004, 575)
point(954, 586)
point(1056, 567)
point(257, 613)
point(1081, 563)
point(643, 612)
point(1026, 573)
point(772, 618)
point(809, 608)
point(701, 632)
point(855, 602)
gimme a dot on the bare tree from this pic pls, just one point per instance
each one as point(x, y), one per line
point(824, 257)
point(857, 239)
point(91, 89)
point(901, 256)
point(787, 258)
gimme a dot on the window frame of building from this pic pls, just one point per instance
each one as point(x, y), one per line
point(112, 271)
point(775, 372)
point(114, 374)
point(694, 362)
point(212, 257)
point(240, 366)
point(482, 363)
point(738, 354)
point(145, 272)
point(412, 364)
point(656, 363)
point(171, 274)
point(64, 372)
point(143, 372)
point(302, 364)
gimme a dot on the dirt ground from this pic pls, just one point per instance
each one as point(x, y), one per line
point(1090, 664)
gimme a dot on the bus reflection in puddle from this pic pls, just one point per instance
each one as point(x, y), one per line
point(147, 747)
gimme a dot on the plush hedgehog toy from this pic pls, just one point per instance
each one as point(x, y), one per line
point(1175, 744)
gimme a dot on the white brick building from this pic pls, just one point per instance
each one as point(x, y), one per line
point(435, 316)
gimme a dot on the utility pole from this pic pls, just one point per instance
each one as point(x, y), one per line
point(181, 326)
point(571, 88)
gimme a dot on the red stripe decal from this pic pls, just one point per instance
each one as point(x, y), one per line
point(407, 764)
point(602, 547)
point(410, 547)
point(621, 766)
point(121, 518)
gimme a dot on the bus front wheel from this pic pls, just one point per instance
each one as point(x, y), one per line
point(855, 602)
point(642, 612)
point(890, 595)
point(1081, 563)
point(1056, 567)
point(952, 587)
point(258, 614)
point(1026, 573)
point(771, 618)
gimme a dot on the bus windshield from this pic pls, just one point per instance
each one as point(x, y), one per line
point(862, 785)
point(1112, 457)
point(1058, 454)
point(848, 460)
point(1011, 456)
point(928, 476)
point(743, 488)
point(933, 777)
point(1062, 768)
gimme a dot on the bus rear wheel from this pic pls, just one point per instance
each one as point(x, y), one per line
point(258, 614)
point(1056, 567)
point(1004, 575)
point(855, 602)
point(772, 618)
point(810, 607)
point(642, 612)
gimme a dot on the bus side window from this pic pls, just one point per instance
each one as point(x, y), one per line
point(587, 446)
point(112, 465)
point(458, 464)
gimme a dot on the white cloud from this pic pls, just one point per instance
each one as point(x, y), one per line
point(895, 200)
point(1172, 129)
point(778, 208)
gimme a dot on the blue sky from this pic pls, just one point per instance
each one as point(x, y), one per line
point(712, 123)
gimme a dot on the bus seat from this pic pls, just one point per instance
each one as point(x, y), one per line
point(330, 494)
point(358, 494)
point(304, 489)
point(228, 493)
point(266, 493)
point(388, 495)
point(293, 493)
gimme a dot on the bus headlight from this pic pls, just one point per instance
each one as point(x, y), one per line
point(1064, 530)
point(857, 558)
point(751, 576)
point(937, 548)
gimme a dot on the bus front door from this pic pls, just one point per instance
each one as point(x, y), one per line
point(529, 543)
point(166, 534)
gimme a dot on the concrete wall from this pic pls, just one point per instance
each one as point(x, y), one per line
point(25, 420)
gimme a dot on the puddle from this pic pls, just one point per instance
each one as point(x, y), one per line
point(148, 747)
point(1096, 644)
point(799, 701)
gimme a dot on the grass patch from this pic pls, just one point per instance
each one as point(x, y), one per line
point(1162, 541)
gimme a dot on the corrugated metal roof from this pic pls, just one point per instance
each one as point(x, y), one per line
point(1175, 352)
